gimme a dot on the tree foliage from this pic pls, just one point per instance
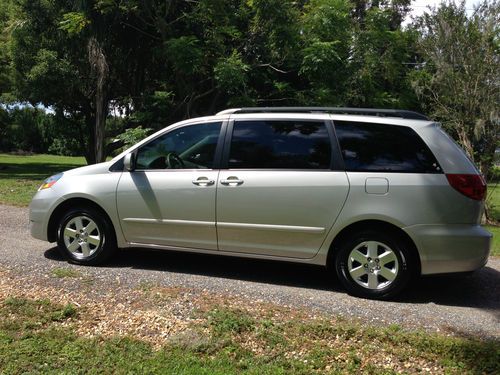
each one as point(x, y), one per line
point(460, 74)
point(105, 66)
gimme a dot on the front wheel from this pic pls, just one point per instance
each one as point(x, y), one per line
point(85, 236)
point(374, 265)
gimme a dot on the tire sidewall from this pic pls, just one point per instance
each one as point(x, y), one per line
point(393, 242)
point(103, 227)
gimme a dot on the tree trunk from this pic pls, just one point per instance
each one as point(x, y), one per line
point(100, 125)
point(90, 126)
point(466, 142)
point(100, 69)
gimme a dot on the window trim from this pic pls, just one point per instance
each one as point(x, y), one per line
point(335, 163)
point(218, 148)
point(337, 158)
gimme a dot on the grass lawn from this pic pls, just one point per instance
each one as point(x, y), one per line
point(37, 336)
point(493, 200)
point(20, 176)
point(495, 246)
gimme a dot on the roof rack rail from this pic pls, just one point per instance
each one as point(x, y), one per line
point(338, 110)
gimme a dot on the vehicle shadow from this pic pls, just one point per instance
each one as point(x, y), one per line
point(233, 268)
point(480, 289)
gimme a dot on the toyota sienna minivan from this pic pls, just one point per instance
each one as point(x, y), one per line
point(378, 196)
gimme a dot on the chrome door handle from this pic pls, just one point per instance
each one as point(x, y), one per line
point(231, 181)
point(203, 181)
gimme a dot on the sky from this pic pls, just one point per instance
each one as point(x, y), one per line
point(420, 6)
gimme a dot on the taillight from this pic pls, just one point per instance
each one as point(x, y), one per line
point(470, 185)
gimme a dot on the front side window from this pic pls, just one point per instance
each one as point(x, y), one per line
point(189, 147)
point(370, 147)
point(290, 144)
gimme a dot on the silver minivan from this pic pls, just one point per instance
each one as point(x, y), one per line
point(378, 196)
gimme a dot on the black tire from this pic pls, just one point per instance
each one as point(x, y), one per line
point(403, 266)
point(97, 252)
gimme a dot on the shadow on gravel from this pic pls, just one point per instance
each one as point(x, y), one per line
point(480, 289)
point(262, 271)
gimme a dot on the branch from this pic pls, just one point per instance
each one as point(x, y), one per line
point(177, 19)
point(274, 100)
point(273, 68)
point(141, 31)
point(199, 96)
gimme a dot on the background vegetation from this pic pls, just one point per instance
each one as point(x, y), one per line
point(89, 77)
point(104, 66)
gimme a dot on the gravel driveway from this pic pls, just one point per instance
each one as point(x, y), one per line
point(458, 304)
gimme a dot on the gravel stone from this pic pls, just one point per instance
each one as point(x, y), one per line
point(454, 304)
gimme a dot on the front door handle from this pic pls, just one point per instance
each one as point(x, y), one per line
point(203, 181)
point(231, 181)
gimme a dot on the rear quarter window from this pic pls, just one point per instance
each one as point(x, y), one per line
point(370, 147)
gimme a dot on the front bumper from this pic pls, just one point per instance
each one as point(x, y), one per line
point(450, 248)
point(40, 209)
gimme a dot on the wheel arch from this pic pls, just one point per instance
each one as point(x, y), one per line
point(64, 206)
point(378, 225)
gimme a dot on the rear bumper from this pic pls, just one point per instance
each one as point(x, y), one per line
point(450, 248)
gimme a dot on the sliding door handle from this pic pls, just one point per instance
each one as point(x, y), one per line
point(231, 181)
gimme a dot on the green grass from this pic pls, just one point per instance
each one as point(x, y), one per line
point(20, 176)
point(493, 200)
point(62, 273)
point(20, 317)
point(495, 246)
point(32, 340)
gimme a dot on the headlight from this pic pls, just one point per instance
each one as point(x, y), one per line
point(50, 181)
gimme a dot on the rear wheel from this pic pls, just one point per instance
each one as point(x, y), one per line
point(85, 236)
point(374, 265)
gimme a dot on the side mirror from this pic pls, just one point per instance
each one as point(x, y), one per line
point(129, 162)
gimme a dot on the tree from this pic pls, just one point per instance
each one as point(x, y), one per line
point(460, 75)
point(381, 57)
point(328, 30)
point(161, 61)
point(77, 59)
point(6, 23)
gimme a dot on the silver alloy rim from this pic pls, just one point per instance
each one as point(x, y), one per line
point(373, 265)
point(82, 237)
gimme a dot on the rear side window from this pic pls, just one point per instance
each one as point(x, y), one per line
point(368, 147)
point(280, 145)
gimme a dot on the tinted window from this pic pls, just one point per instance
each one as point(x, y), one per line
point(380, 147)
point(188, 147)
point(280, 144)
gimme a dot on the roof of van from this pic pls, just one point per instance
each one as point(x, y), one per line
point(330, 110)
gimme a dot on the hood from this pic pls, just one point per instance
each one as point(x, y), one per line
point(90, 169)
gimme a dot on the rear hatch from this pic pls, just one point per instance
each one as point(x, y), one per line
point(467, 188)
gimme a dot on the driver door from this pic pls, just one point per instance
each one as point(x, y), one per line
point(169, 199)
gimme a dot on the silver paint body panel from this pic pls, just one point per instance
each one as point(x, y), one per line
point(164, 207)
point(283, 215)
point(279, 213)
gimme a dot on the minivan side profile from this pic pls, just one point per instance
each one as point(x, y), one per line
point(379, 197)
